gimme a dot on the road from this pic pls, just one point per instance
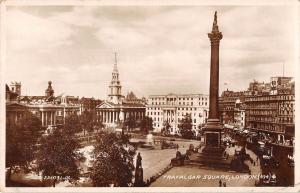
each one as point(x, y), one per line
point(154, 161)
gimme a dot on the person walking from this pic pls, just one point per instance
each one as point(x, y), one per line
point(224, 184)
point(220, 183)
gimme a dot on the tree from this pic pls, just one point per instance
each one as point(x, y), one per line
point(166, 128)
point(21, 139)
point(146, 124)
point(72, 124)
point(186, 126)
point(130, 122)
point(113, 164)
point(87, 121)
point(98, 125)
point(57, 157)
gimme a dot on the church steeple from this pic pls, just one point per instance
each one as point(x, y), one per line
point(115, 70)
point(115, 87)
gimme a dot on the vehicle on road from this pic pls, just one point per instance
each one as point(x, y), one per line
point(291, 161)
point(268, 160)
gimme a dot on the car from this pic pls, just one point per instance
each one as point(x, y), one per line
point(268, 160)
point(291, 161)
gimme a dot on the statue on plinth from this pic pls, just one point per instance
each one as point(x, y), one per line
point(138, 180)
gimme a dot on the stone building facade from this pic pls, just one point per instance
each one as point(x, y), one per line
point(231, 107)
point(273, 112)
point(50, 109)
point(172, 108)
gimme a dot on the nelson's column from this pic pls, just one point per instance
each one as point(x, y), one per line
point(212, 130)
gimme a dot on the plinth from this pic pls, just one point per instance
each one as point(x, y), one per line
point(212, 139)
point(213, 153)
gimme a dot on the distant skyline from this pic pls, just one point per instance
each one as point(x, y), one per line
point(161, 49)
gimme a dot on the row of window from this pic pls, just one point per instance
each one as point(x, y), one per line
point(180, 103)
point(256, 112)
point(171, 120)
point(262, 105)
point(286, 105)
point(179, 109)
point(266, 119)
point(269, 127)
point(180, 98)
point(286, 120)
point(179, 114)
point(267, 98)
point(172, 129)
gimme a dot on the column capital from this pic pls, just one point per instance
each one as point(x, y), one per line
point(215, 37)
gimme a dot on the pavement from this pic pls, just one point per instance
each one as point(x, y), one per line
point(199, 176)
point(193, 176)
point(154, 161)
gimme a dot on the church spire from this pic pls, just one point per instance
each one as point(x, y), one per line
point(115, 64)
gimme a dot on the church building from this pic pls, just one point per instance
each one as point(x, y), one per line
point(116, 109)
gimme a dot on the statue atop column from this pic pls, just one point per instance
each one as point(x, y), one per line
point(138, 180)
point(215, 18)
point(139, 160)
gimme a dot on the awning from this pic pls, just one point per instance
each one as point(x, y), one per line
point(229, 126)
point(261, 143)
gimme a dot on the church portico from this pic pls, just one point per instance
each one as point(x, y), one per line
point(109, 113)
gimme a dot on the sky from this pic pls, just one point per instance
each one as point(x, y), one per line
point(161, 49)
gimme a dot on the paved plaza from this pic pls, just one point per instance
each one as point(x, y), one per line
point(157, 159)
point(195, 176)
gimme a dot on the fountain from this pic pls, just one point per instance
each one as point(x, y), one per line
point(149, 143)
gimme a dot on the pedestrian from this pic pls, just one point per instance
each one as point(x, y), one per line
point(224, 184)
point(220, 183)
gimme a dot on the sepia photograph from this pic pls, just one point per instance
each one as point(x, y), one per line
point(149, 95)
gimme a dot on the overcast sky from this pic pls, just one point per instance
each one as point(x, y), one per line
point(160, 50)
